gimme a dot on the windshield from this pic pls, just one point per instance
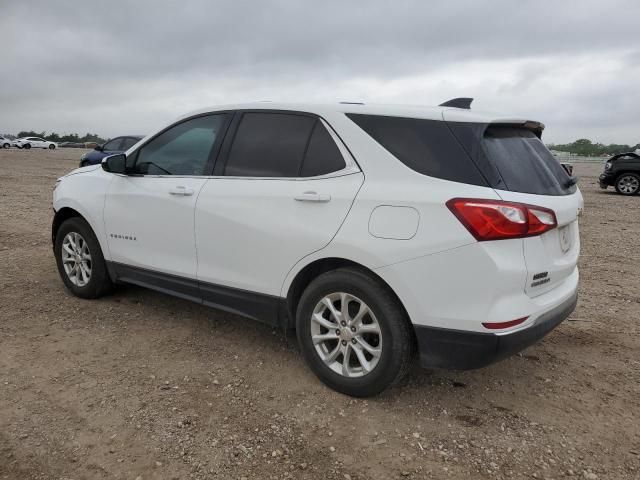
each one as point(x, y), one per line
point(513, 158)
point(524, 163)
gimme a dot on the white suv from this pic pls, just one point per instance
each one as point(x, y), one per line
point(35, 142)
point(372, 230)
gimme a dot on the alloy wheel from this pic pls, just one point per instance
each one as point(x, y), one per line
point(628, 184)
point(76, 259)
point(346, 334)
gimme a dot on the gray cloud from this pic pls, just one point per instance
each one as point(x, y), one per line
point(119, 67)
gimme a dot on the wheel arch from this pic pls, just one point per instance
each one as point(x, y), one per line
point(323, 265)
point(627, 171)
point(59, 218)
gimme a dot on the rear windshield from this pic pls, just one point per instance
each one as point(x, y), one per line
point(524, 163)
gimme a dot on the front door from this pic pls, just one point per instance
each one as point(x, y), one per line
point(149, 213)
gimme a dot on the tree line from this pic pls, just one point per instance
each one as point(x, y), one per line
point(587, 148)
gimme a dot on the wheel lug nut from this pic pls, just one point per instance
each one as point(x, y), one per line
point(353, 340)
point(343, 323)
point(337, 331)
point(344, 342)
point(353, 329)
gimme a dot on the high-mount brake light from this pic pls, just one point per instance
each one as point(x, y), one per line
point(499, 220)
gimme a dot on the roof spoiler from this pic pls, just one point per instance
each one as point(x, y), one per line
point(461, 102)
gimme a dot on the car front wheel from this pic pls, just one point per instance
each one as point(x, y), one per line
point(52, 147)
point(80, 261)
point(5, 145)
point(26, 146)
point(353, 332)
point(628, 184)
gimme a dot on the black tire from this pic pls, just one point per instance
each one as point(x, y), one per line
point(84, 164)
point(6, 145)
point(628, 184)
point(26, 146)
point(397, 334)
point(99, 282)
point(52, 147)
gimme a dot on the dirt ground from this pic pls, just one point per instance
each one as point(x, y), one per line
point(140, 385)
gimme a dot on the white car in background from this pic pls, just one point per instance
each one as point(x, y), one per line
point(374, 231)
point(35, 142)
point(5, 142)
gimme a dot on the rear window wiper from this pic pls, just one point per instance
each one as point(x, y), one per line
point(571, 181)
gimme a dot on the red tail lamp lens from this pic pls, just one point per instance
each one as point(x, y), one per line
point(500, 325)
point(498, 220)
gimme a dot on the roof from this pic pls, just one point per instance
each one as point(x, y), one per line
point(413, 111)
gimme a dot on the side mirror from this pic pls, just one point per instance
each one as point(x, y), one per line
point(115, 163)
point(99, 148)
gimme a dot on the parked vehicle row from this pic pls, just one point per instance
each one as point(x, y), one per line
point(374, 231)
point(27, 143)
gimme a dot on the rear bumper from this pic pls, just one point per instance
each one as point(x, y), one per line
point(465, 350)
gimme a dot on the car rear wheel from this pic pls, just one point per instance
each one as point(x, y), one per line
point(628, 184)
point(27, 146)
point(52, 147)
point(80, 261)
point(5, 145)
point(354, 334)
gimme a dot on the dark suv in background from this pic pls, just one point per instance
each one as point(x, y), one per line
point(113, 146)
point(622, 172)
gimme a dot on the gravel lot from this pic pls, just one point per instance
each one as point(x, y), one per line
point(140, 385)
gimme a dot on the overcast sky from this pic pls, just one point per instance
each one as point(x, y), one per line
point(115, 68)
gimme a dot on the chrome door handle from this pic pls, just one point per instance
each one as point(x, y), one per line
point(180, 190)
point(312, 197)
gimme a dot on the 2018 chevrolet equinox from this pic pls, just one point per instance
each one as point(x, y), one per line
point(374, 231)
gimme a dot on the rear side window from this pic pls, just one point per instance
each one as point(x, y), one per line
point(113, 145)
point(269, 145)
point(323, 155)
point(128, 142)
point(426, 146)
point(524, 163)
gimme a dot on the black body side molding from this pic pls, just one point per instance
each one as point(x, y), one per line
point(264, 308)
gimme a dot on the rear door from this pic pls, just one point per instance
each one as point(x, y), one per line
point(283, 186)
point(523, 170)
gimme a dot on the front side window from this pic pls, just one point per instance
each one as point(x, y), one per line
point(113, 145)
point(184, 149)
point(128, 142)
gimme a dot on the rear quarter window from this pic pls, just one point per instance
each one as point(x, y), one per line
point(426, 146)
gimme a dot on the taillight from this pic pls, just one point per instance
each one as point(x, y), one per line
point(498, 220)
